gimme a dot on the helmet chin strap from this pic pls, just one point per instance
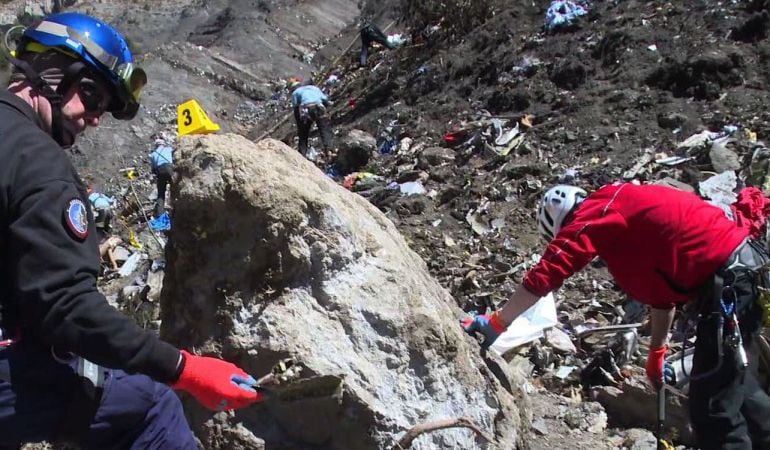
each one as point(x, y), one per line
point(55, 97)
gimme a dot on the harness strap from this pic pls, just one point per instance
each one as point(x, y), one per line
point(709, 297)
point(709, 304)
point(55, 97)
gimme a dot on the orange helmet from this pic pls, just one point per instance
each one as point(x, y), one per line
point(293, 82)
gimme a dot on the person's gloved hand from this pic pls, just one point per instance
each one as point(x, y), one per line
point(655, 363)
point(487, 324)
point(216, 384)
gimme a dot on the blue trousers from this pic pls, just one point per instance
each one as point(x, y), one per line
point(135, 412)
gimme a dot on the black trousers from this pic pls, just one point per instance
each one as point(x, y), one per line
point(135, 412)
point(728, 408)
point(306, 116)
point(103, 220)
point(369, 34)
point(163, 175)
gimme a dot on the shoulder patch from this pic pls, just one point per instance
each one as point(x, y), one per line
point(76, 218)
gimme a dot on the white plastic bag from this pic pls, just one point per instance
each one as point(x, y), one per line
point(528, 326)
point(396, 40)
point(412, 188)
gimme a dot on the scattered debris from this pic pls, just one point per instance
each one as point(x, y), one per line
point(131, 264)
point(720, 190)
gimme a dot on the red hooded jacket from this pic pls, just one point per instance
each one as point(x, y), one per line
point(659, 243)
point(751, 210)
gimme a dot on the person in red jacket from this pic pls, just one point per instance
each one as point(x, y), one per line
point(664, 247)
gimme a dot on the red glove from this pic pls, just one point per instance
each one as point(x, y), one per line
point(216, 384)
point(655, 361)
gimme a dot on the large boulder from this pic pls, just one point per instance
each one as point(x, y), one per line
point(435, 156)
point(644, 413)
point(269, 259)
point(354, 150)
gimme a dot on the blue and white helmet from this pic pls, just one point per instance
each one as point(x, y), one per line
point(558, 202)
point(100, 47)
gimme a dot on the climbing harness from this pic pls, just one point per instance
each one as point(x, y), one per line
point(720, 307)
point(733, 340)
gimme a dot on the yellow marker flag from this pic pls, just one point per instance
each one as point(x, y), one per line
point(192, 119)
point(132, 240)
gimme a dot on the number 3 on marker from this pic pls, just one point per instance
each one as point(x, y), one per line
point(187, 117)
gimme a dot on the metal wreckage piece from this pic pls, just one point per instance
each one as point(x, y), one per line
point(284, 383)
point(604, 367)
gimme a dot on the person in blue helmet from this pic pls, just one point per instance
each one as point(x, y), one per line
point(72, 368)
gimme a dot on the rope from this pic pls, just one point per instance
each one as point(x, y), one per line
point(139, 204)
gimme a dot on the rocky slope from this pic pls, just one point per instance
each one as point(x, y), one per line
point(631, 77)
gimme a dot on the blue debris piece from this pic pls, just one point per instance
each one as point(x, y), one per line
point(332, 172)
point(161, 223)
point(388, 146)
point(562, 13)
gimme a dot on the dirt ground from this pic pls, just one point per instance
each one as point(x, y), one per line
point(600, 94)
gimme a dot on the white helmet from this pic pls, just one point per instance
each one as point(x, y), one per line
point(557, 203)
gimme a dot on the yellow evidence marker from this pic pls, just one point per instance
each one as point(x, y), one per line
point(192, 119)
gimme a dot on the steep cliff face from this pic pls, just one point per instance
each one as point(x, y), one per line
point(230, 55)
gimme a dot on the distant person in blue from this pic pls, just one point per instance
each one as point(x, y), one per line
point(162, 164)
point(310, 105)
point(101, 205)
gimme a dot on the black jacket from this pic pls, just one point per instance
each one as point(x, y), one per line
point(49, 256)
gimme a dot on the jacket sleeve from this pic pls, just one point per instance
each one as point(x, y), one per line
point(572, 249)
point(54, 282)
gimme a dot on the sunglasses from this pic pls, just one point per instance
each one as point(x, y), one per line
point(92, 97)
